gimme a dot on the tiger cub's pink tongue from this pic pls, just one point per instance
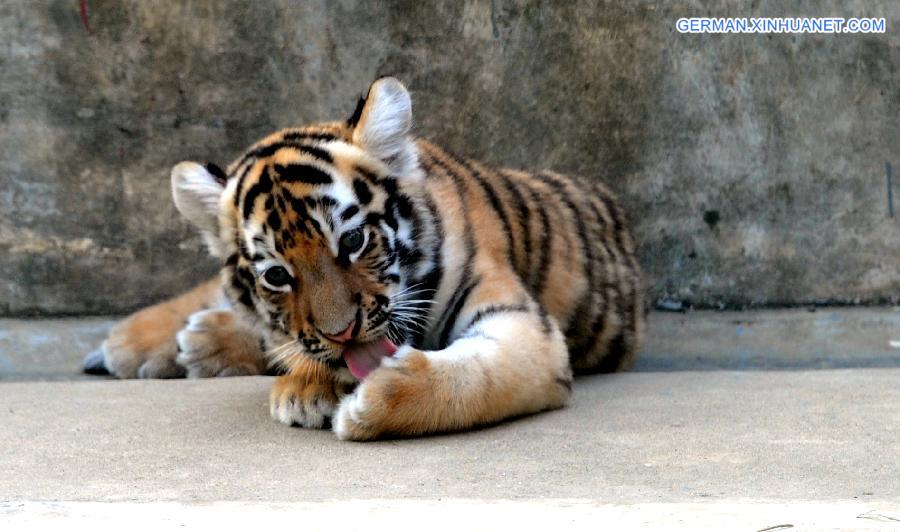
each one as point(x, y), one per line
point(362, 359)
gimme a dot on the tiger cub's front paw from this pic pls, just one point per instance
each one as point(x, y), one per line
point(215, 344)
point(304, 399)
point(393, 400)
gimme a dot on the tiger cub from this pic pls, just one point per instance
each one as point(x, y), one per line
point(400, 289)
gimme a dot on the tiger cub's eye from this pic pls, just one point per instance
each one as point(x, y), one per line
point(352, 240)
point(277, 276)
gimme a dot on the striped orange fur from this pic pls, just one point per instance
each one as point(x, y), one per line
point(345, 240)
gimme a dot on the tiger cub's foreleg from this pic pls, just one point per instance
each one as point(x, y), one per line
point(189, 335)
point(216, 343)
point(508, 359)
point(307, 396)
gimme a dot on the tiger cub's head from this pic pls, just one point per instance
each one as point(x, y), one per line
point(309, 222)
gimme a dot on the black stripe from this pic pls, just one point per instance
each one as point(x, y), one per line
point(363, 194)
point(490, 311)
point(466, 273)
point(242, 281)
point(287, 240)
point(299, 207)
point(614, 254)
point(357, 113)
point(616, 213)
point(408, 256)
point(286, 142)
point(389, 184)
point(302, 173)
point(373, 219)
point(538, 276)
point(390, 251)
point(262, 186)
point(357, 324)
point(367, 174)
point(309, 135)
point(620, 227)
point(268, 151)
point(404, 206)
point(608, 294)
point(546, 326)
point(274, 220)
point(455, 307)
point(316, 226)
point(349, 212)
point(587, 252)
point(609, 302)
point(428, 286)
point(217, 172)
point(369, 247)
point(623, 301)
point(240, 182)
point(524, 218)
point(494, 200)
point(246, 299)
point(430, 282)
point(318, 153)
point(389, 207)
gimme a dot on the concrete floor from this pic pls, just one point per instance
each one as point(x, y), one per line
point(688, 449)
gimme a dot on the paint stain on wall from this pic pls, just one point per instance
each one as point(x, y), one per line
point(711, 218)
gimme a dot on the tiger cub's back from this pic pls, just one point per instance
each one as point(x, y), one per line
point(568, 241)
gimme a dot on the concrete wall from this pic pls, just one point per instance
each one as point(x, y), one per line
point(753, 166)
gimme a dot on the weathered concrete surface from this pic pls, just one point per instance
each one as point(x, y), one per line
point(48, 349)
point(682, 437)
point(753, 166)
point(830, 338)
point(772, 340)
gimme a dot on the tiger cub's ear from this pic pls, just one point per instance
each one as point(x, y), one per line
point(197, 189)
point(381, 125)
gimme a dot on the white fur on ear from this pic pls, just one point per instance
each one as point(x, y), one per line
point(197, 192)
point(384, 125)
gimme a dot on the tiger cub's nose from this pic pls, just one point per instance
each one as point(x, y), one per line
point(344, 336)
